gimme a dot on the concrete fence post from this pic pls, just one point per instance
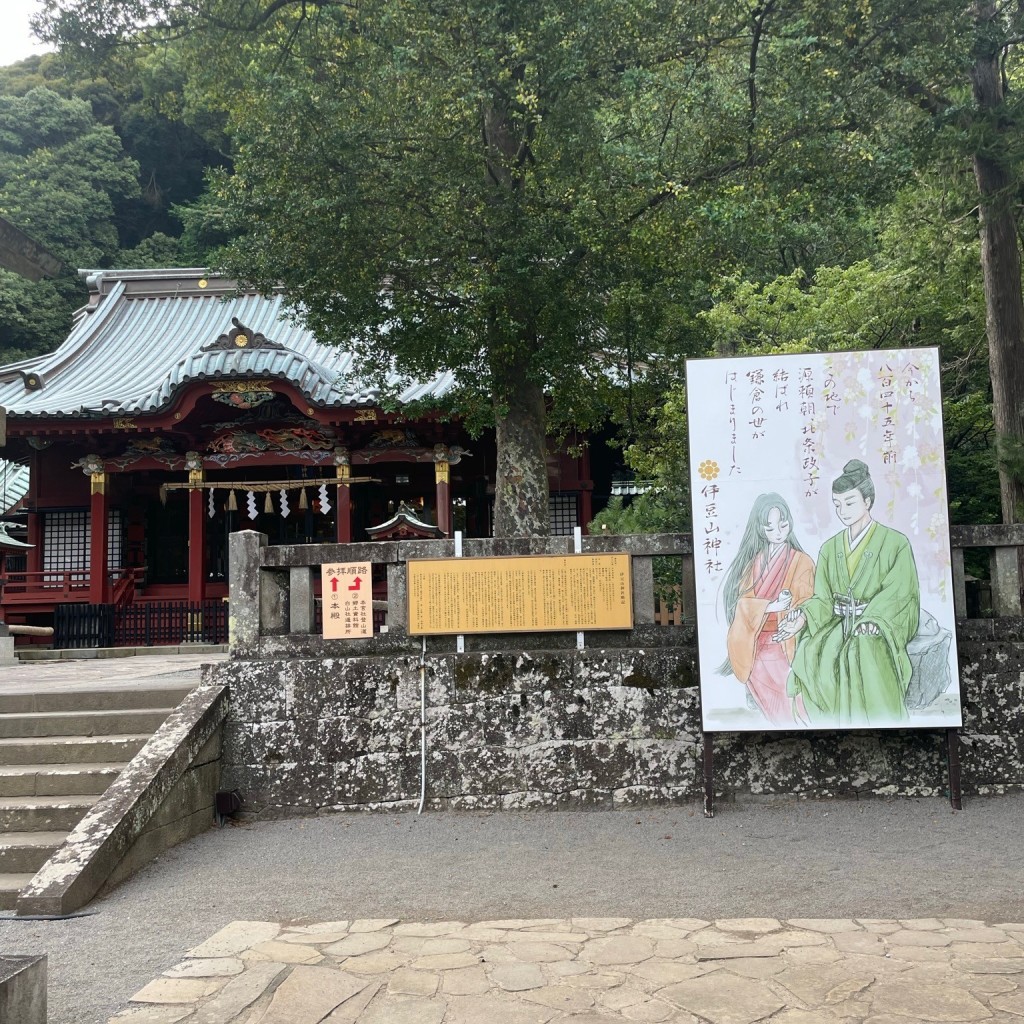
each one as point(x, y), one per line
point(1005, 582)
point(643, 589)
point(244, 593)
point(301, 610)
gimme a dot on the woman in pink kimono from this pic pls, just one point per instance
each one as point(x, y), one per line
point(770, 575)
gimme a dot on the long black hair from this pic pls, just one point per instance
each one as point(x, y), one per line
point(752, 544)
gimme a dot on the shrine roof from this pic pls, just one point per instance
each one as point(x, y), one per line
point(13, 484)
point(147, 333)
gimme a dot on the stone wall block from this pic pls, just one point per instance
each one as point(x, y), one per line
point(397, 732)
point(237, 742)
point(256, 694)
point(377, 777)
point(846, 764)
point(659, 761)
point(772, 763)
point(479, 674)
point(335, 686)
point(916, 763)
point(993, 761)
point(342, 738)
point(284, 742)
point(484, 770)
point(438, 677)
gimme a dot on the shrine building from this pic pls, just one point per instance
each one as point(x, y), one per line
point(180, 409)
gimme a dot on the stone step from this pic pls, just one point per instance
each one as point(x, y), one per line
point(71, 749)
point(10, 886)
point(27, 851)
point(42, 814)
point(93, 700)
point(57, 779)
point(81, 723)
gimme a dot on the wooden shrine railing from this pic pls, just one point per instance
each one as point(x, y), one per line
point(64, 585)
point(273, 588)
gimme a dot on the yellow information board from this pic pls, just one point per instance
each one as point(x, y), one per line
point(526, 593)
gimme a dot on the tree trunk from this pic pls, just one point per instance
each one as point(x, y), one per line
point(1000, 257)
point(521, 480)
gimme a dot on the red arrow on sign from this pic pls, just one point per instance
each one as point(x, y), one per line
point(355, 586)
point(334, 586)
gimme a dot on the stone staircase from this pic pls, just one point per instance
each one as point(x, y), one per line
point(59, 751)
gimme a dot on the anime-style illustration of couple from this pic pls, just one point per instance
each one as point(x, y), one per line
point(823, 646)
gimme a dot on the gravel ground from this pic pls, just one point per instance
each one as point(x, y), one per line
point(874, 858)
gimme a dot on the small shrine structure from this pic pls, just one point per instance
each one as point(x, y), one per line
point(182, 408)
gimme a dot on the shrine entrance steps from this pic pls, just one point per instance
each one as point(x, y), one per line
point(59, 751)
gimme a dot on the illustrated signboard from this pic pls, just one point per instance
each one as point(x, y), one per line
point(821, 542)
point(527, 593)
point(347, 592)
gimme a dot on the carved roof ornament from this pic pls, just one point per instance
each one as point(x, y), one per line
point(241, 337)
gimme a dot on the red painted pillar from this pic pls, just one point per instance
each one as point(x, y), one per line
point(344, 521)
point(34, 555)
point(196, 543)
point(99, 585)
point(442, 478)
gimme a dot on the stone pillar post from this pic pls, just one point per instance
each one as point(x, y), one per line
point(99, 585)
point(244, 593)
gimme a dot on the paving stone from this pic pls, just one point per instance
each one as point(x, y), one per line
point(496, 954)
point(922, 924)
point(980, 934)
point(665, 972)
point(431, 947)
point(828, 925)
point(232, 939)
point(1003, 950)
point(514, 924)
point(308, 994)
point(791, 938)
point(561, 997)
point(318, 927)
point(622, 996)
point(658, 931)
point(356, 945)
point(596, 982)
point(908, 937)
point(796, 1016)
point(990, 984)
point(372, 924)
point(814, 984)
point(597, 1017)
point(151, 1015)
point(923, 1000)
point(860, 942)
point(735, 951)
point(429, 930)
point(517, 977)
point(879, 926)
point(1011, 1002)
point(751, 967)
point(652, 1010)
point(465, 981)
point(495, 1009)
point(812, 955)
point(671, 949)
point(382, 961)
point(539, 952)
point(476, 933)
point(238, 993)
point(350, 1010)
point(405, 1010)
point(570, 938)
point(176, 990)
point(218, 967)
point(407, 982)
point(619, 949)
point(444, 961)
point(724, 998)
point(920, 954)
point(756, 925)
point(283, 953)
point(988, 965)
point(688, 924)
point(567, 968)
point(600, 924)
point(312, 938)
point(963, 922)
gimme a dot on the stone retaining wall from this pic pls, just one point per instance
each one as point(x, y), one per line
point(565, 728)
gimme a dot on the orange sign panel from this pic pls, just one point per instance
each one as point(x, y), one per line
point(347, 589)
point(528, 593)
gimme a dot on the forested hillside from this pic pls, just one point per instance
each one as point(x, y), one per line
point(565, 201)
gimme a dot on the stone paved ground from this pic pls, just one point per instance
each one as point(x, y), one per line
point(594, 970)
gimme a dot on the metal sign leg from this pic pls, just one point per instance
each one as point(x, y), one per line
point(953, 763)
point(709, 775)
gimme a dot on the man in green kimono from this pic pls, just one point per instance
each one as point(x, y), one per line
point(851, 667)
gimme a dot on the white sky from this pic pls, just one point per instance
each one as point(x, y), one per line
point(16, 41)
